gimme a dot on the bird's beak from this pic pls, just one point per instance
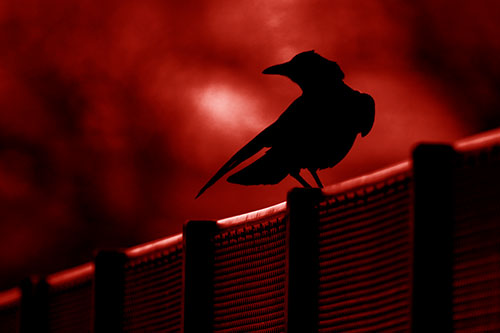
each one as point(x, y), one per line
point(281, 69)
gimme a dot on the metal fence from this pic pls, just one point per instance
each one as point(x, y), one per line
point(413, 247)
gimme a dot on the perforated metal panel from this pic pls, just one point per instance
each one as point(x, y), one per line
point(249, 276)
point(365, 257)
point(69, 299)
point(476, 266)
point(10, 310)
point(153, 288)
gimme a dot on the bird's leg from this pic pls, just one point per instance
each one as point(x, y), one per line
point(301, 180)
point(316, 178)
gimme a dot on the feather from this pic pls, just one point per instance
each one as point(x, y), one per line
point(250, 149)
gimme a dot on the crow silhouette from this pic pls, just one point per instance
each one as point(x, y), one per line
point(315, 132)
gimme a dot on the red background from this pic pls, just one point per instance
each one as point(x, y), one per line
point(114, 114)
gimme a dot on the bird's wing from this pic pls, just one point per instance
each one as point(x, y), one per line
point(262, 140)
point(267, 170)
point(366, 109)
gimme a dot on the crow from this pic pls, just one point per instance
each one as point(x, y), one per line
point(315, 132)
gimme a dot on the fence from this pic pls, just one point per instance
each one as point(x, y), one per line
point(413, 247)
point(10, 310)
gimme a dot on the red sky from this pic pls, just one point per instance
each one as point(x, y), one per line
point(112, 116)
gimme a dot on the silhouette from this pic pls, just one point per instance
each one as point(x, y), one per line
point(315, 132)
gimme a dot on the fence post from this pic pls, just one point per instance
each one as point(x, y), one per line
point(302, 260)
point(433, 238)
point(34, 311)
point(108, 291)
point(197, 276)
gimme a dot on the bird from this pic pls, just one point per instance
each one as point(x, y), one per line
point(315, 132)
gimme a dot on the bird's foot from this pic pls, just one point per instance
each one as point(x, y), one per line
point(301, 180)
point(316, 178)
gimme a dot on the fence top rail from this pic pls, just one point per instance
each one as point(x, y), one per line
point(252, 216)
point(374, 177)
point(71, 276)
point(10, 296)
point(478, 141)
point(153, 246)
point(367, 179)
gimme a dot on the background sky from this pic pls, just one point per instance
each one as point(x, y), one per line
point(113, 114)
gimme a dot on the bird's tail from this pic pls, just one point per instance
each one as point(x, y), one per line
point(250, 149)
point(267, 170)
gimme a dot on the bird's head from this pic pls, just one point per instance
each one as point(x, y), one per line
point(308, 68)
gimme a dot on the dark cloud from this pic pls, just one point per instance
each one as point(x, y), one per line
point(112, 115)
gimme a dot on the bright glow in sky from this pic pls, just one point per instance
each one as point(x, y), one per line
point(228, 109)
